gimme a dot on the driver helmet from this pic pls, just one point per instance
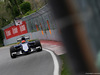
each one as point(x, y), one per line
point(23, 38)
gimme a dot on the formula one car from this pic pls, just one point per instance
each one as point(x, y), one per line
point(25, 47)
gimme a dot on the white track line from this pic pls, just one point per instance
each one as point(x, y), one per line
point(56, 64)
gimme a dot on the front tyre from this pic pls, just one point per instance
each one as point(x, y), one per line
point(38, 46)
point(12, 52)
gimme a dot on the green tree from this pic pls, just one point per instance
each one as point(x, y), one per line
point(20, 1)
point(16, 11)
point(25, 7)
point(5, 17)
point(13, 7)
point(36, 4)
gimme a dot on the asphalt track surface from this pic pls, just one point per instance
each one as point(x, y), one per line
point(40, 63)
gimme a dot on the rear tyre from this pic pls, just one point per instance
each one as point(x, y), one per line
point(38, 46)
point(12, 50)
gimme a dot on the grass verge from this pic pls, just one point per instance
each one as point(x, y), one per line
point(65, 70)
